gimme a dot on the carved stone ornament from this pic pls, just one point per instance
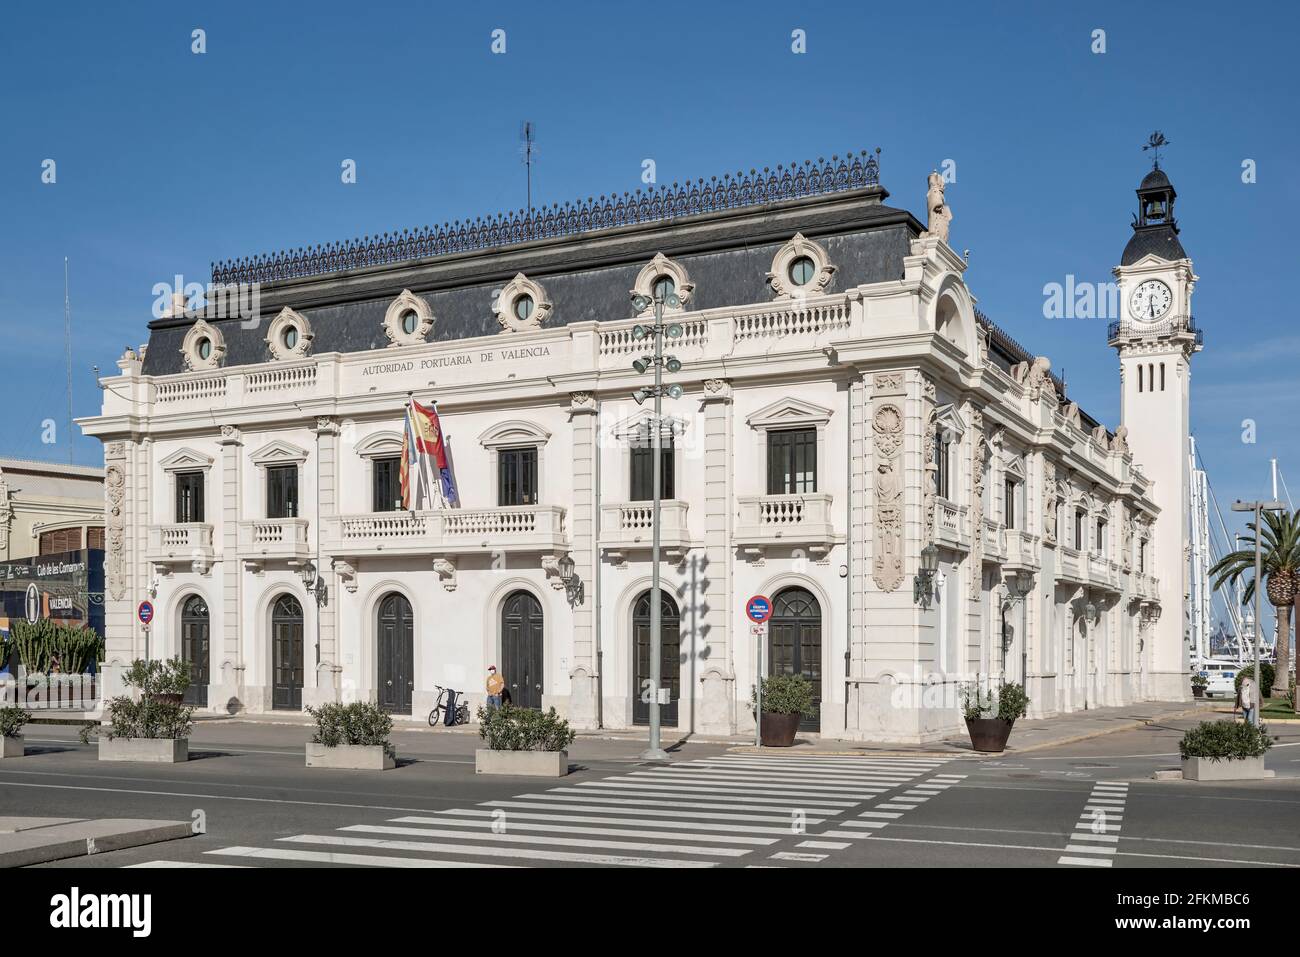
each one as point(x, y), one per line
point(939, 215)
point(661, 265)
point(783, 281)
point(582, 402)
point(289, 336)
point(1050, 502)
point(887, 561)
point(193, 348)
point(716, 389)
point(514, 300)
point(888, 382)
point(446, 569)
point(115, 533)
point(978, 478)
point(395, 322)
point(1039, 376)
point(1120, 442)
point(931, 465)
point(347, 573)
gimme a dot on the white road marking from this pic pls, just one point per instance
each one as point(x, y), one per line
point(1085, 861)
point(507, 838)
point(640, 802)
point(793, 856)
point(824, 845)
point(598, 809)
point(349, 860)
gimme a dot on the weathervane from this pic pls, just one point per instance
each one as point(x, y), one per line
point(1154, 142)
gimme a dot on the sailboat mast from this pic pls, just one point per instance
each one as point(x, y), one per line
point(67, 351)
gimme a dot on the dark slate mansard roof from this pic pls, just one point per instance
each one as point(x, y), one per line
point(586, 255)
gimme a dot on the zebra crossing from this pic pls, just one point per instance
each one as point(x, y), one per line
point(1096, 836)
point(734, 809)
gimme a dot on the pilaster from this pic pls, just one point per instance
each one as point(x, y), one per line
point(583, 525)
point(717, 714)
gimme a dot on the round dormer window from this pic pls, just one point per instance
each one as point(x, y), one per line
point(523, 307)
point(663, 287)
point(802, 270)
point(410, 322)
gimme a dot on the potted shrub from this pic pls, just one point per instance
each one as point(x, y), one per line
point(155, 728)
point(786, 699)
point(351, 736)
point(161, 681)
point(1224, 751)
point(523, 741)
point(11, 731)
point(1199, 681)
point(989, 717)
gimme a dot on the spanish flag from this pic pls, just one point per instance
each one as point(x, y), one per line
point(424, 455)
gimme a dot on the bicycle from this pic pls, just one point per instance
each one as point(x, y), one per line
point(460, 710)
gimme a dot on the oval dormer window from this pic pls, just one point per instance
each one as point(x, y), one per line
point(291, 337)
point(410, 322)
point(204, 348)
point(523, 308)
point(663, 287)
point(802, 270)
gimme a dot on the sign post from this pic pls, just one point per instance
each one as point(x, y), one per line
point(758, 609)
point(144, 611)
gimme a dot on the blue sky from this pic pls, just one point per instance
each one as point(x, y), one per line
point(167, 160)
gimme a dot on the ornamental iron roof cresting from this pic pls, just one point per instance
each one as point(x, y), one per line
point(654, 204)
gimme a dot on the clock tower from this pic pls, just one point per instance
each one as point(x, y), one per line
point(1156, 338)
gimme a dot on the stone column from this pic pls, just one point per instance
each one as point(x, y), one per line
point(860, 552)
point(328, 672)
point(226, 693)
point(717, 712)
point(583, 526)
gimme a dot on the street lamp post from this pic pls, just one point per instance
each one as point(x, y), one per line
point(1258, 508)
point(654, 751)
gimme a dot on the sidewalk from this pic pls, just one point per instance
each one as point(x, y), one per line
point(38, 840)
point(1028, 735)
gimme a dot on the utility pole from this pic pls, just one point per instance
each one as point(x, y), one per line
point(67, 350)
point(1258, 508)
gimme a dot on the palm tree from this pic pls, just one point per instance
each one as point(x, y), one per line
point(1280, 560)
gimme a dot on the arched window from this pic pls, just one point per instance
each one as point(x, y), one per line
point(286, 654)
point(196, 649)
point(670, 660)
point(795, 642)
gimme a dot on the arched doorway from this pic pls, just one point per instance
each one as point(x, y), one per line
point(195, 649)
point(396, 654)
point(521, 648)
point(670, 649)
point(286, 654)
point(795, 643)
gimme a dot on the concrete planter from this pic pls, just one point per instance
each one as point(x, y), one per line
point(152, 750)
point(353, 757)
point(538, 764)
point(1234, 769)
point(12, 747)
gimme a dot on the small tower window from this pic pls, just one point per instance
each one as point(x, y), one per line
point(1139, 378)
point(1162, 377)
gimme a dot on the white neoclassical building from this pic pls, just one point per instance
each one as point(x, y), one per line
point(845, 406)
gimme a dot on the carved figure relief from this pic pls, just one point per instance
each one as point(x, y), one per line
point(887, 563)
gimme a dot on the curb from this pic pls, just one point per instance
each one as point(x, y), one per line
point(40, 845)
point(1129, 726)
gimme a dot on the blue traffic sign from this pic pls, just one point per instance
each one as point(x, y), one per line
point(759, 608)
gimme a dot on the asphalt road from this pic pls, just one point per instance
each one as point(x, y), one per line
point(1088, 804)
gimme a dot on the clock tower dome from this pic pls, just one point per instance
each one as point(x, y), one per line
point(1156, 338)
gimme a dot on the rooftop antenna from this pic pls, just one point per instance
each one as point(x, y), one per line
point(67, 350)
point(528, 134)
point(1154, 142)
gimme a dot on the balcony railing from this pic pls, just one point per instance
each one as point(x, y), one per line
point(799, 519)
point(1022, 550)
point(950, 525)
point(181, 543)
point(995, 542)
point(1071, 566)
point(448, 531)
point(1165, 328)
point(627, 525)
point(274, 538)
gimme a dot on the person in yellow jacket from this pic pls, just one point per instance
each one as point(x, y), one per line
point(495, 685)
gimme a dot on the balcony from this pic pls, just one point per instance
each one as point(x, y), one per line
point(950, 526)
point(1071, 567)
point(995, 542)
point(459, 531)
point(799, 520)
point(184, 543)
point(1103, 574)
point(274, 539)
point(1022, 551)
point(625, 526)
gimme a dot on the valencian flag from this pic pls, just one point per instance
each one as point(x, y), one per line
point(426, 470)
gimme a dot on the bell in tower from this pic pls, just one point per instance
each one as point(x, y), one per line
point(1155, 231)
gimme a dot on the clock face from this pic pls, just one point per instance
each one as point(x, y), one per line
point(1150, 300)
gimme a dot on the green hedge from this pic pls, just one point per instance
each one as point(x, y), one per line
point(1265, 683)
point(1225, 740)
point(787, 694)
point(12, 721)
point(522, 729)
point(1008, 703)
point(37, 644)
point(360, 723)
point(148, 718)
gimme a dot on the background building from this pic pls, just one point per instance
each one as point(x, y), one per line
point(845, 407)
